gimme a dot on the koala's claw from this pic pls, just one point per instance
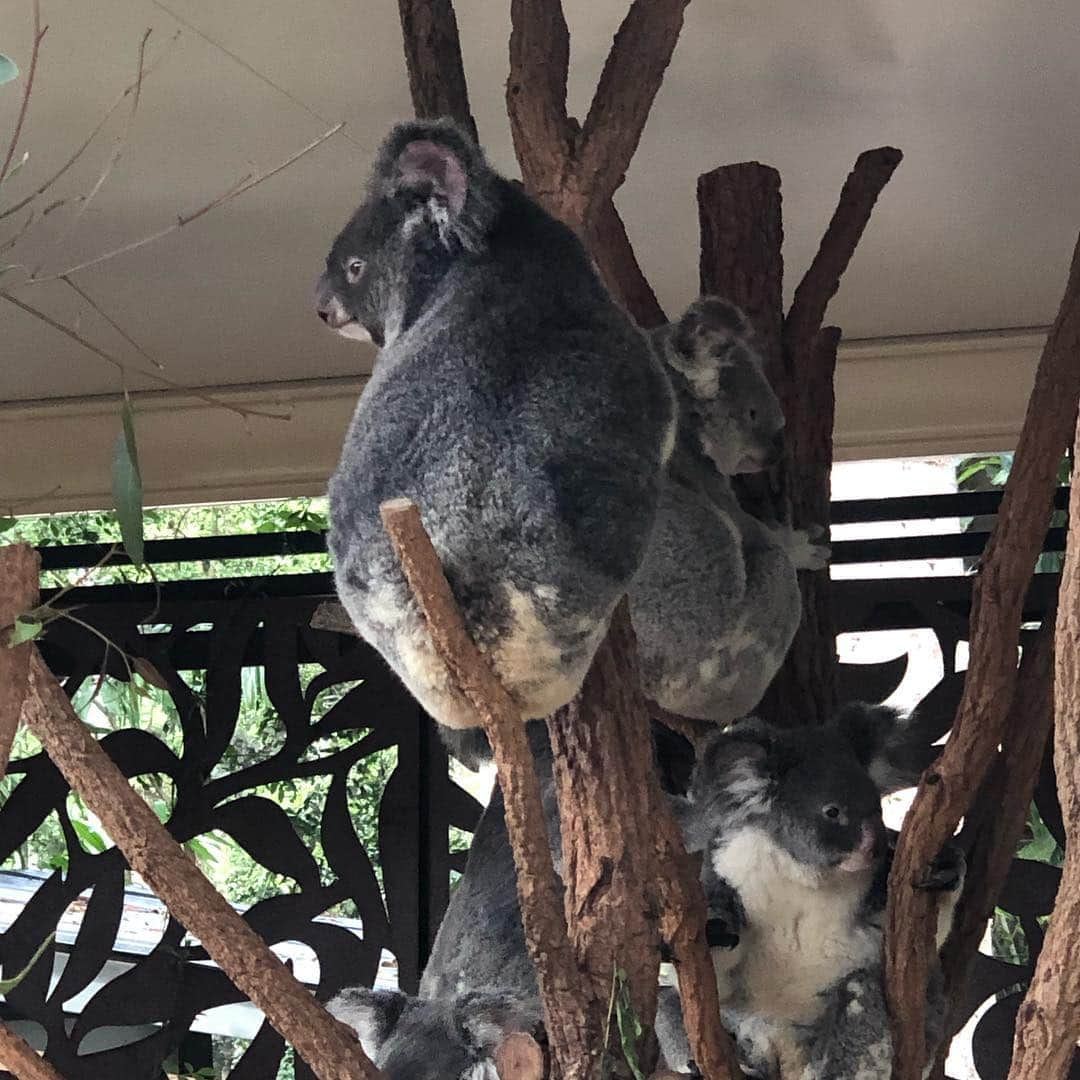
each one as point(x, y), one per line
point(946, 871)
point(802, 546)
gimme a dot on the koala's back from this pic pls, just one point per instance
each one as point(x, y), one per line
point(526, 417)
point(715, 604)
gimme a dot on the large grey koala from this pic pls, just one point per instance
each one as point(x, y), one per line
point(716, 602)
point(479, 985)
point(512, 401)
point(795, 866)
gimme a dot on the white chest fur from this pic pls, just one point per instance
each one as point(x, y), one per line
point(802, 930)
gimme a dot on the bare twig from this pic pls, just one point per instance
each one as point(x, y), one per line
point(19, 568)
point(88, 299)
point(239, 188)
point(1048, 1023)
point(39, 33)
point(537, 884)
point(124, 369)
point(84, 145)
point(329, 1048)
point(946, 789)
point(17, 1055)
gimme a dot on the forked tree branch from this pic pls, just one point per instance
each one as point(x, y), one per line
point(20, 1058)
point(329, 1047)
point(946, 789)
point(1048, 1023)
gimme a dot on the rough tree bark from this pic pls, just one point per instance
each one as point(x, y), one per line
point(947, 788)
point(1048, 1024)
point(21, 1060)
point(328, 1047)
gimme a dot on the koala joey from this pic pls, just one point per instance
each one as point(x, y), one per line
point(716, 602)
point(512, 400)
point(795, 865)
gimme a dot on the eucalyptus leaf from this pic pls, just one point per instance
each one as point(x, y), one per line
point(127, 487)
point(148, 673)
point(8, 69)
point(17, 166)
point(7, 985)
point(25, 629)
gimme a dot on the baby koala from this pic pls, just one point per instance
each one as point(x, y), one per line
point(795, 866)
point(716, 602)
point(513, 401)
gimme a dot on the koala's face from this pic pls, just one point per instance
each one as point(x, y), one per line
point(429, 200)
point(727, 406)
point(416, 1039)
point(805, 787)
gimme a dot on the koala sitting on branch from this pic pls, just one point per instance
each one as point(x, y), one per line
point(795, 867)
point(512, 400)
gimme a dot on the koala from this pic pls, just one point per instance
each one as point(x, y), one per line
point(716, 602)
point(479, 984)
point(512, 400)
point(795, 866)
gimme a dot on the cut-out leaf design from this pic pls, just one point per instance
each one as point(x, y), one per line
point(127, 487)
point(9, 70)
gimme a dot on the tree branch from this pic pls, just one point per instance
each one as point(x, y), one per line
point(614, 255)
point(437, 83)
point(19, 569)
point(946, 790)
point(537, 884)
point(23, 1062)
point(328, 1047)
point(1048, 1024)
point(629, 83)
point(39, 33)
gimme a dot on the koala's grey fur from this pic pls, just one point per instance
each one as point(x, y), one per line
point(513, 401)
point(795, 863)
point(479, 984)
point(716, 602)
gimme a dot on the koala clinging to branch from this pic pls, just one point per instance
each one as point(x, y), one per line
point(512, 401)
point(716, 602)
point(795, 865)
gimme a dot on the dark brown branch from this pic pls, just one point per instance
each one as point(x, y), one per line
point(1048, 1024)
point(947, 789)
point(819, 284)
point(999, 814)
point(328, 1047)
point(538, 889)
point(536, 95)
point(614, 255)
point(19, 568)
point(24, 105)
point(17, 1056)
point(631, 78)
point(433, 58)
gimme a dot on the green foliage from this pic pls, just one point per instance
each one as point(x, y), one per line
point(627, 1023)
point(26, 628)
point(127, 486)
point(9, 70)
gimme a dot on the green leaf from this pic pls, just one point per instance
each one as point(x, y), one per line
point(127, 487)
point(15, 169)
point(90, 838)
point(7, 985)
point(8, 69)
point(26, 628)
point(7, 523)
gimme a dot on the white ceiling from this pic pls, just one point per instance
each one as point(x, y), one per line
point(973, 232)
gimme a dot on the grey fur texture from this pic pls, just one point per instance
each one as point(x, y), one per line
point(795, 864)
point(512, 400)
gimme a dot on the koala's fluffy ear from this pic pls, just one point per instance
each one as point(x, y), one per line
point(440, 176)
point(487, 1019)
point(372, 1014)
point(894, 748)
point(713, 319)
point(741, 754)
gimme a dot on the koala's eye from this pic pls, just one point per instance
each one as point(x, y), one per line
point(353, 269)
point(832, 811)
point(752, 413)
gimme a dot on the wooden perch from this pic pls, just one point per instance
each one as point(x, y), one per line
point(946, 789)
point(1048, 1024)
point(19, 570)
point(17, 1056)
point(998, 817)
point(538, 889)
point(329, 1048)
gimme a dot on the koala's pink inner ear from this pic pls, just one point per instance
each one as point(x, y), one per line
point(519, 1057)
point(426, 162)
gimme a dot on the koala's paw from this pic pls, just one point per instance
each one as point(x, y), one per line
point(803, 547)
point(946, 872)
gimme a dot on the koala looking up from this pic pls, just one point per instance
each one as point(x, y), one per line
point(716, 602)
point(795, 865)
point(512, 401)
